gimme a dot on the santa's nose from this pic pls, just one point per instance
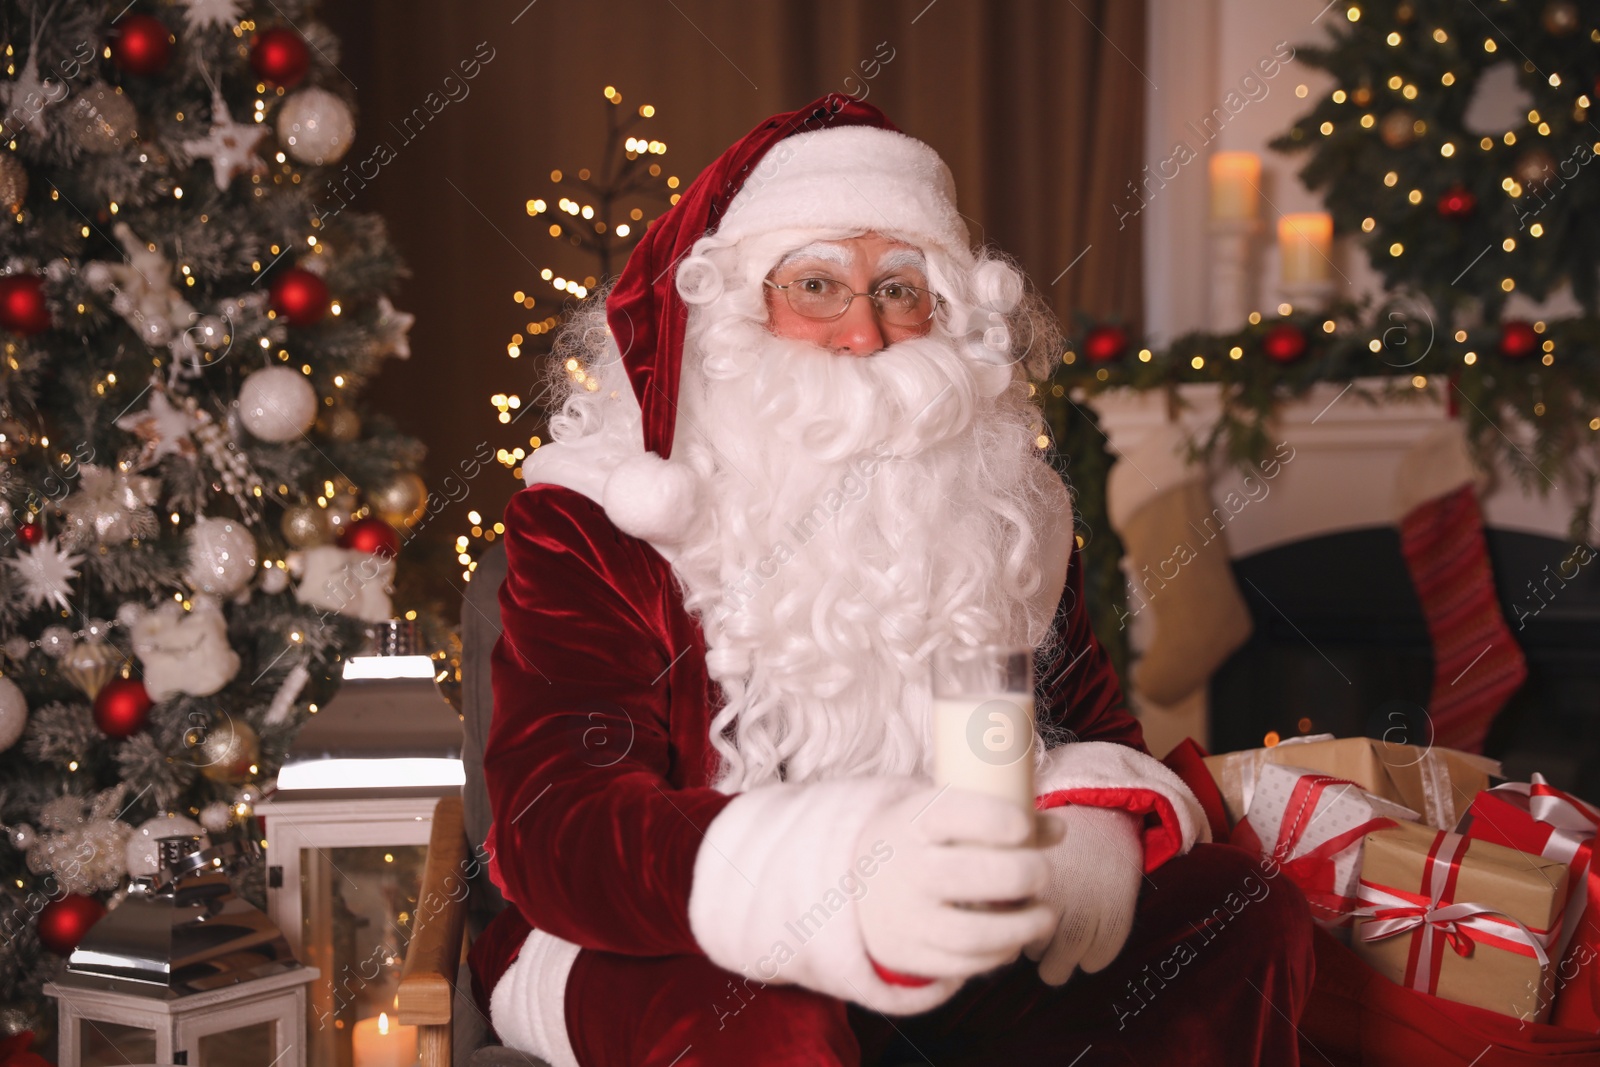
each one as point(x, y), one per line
point(857, 332)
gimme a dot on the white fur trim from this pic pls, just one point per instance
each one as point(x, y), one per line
point(1158, 464)
point(529, 1004)
point(1439, 462)
point(774, 856)
point(850, 178)
point(1109, 765)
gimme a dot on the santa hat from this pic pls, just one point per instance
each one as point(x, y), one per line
point(836, 165)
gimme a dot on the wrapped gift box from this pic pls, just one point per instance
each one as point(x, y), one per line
point(1312, 826)
point(1439, 783)
point(1461, 918)
point(1536, 817)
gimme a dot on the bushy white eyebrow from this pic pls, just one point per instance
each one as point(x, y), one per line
point(826, 251)
point(896, 258)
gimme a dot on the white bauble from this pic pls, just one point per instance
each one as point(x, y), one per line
point(13, 713)
point(315, 126)
point(222, 556)
point(141, 852)
point(277, 404)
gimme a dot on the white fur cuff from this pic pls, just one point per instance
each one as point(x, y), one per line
point(775, 885)
point(529, 1005)
point(1111, 775)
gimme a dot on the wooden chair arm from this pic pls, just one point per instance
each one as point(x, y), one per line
point(433, 959)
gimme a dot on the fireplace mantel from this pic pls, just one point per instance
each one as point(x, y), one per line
point(1347, 451)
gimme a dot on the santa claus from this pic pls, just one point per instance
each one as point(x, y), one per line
point(795, 458)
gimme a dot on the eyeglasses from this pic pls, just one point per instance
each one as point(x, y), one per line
point(897, 304)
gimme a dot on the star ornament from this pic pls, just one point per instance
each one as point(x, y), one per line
point(230, 145)
point(204, 14)
point(163, 430)
point(393, 328)
point(45, 572)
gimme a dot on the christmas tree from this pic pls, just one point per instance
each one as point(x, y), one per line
point(198, 522)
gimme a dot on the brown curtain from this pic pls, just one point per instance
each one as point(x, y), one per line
point(1037, 105)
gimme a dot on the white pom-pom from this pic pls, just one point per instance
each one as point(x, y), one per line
point(651, 498)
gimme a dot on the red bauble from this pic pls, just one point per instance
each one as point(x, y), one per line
point(1518, 339)
point(141, 44)
point(22, 305)
point(371, 535)
point(30, 533)
point(62, 923)
point(1105, 343)
point(300, 296)
point(1457, 203)
point(122, 707)
point(1285, 342)
point(280, 56)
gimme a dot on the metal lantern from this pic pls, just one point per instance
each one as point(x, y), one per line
point(184, 972)
point(347, 831)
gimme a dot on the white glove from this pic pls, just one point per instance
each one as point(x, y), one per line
point(949, 844)
point(1096, 862)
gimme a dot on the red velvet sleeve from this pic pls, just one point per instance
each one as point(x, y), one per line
point(591, 839)
point(1081, 690)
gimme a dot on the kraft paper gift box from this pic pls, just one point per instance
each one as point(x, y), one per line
point(1312, 826)
point(1439, 783)
point(1539, 818)
point(1460, 918)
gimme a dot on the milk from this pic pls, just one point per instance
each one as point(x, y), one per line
point(984, 742)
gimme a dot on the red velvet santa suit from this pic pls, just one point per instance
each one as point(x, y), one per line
point(608, 845)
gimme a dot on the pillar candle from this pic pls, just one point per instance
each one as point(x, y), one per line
point(1235, 186)
point(381, 1043)
point(1305, 242)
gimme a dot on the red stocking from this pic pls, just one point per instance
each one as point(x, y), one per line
point(1477, 663)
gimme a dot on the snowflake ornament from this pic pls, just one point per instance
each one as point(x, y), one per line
point(209, 14)
point(111, 507)
point(46, 571)
point(230, 145)
point(393, 328)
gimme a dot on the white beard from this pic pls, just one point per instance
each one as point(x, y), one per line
point(856, 514)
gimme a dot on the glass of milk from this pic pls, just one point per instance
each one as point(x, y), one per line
point(983, 735)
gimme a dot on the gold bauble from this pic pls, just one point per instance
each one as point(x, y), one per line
point(305, 526)
point(400, 499)
point(13, 182)
point(339, 423)
point(102, 119)
point(1560, 18)
point(226, 751)
point(1398, 129)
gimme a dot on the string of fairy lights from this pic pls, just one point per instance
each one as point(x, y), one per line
point(600, 213)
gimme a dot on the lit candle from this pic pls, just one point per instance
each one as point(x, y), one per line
point(1305, 242)
point(1235, 186)
point(380, 1043)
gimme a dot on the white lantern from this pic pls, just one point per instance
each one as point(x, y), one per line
point(347, 838)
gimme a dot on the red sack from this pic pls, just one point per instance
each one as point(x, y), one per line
point(1358, 1018)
